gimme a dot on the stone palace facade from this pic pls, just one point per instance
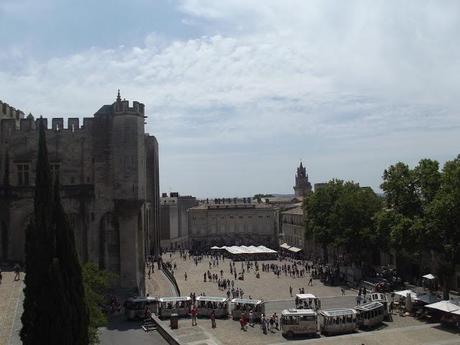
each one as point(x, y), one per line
point(232, 222)
point(108, 170)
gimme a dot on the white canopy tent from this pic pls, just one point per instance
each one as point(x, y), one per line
point(404, 293)
point(285, 246)
point(238, 250)
point(446, 306)
point(295, 249)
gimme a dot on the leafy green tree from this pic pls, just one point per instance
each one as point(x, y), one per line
point(319, 212)
point(442, 235)
point(96, 283)
point(427, 179)
point(399, 185)
point(341, 214)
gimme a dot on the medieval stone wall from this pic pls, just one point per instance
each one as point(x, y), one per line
point(112, 200)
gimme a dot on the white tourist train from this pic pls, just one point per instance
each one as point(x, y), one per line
point(298, 321)
point(239, 306)
point(307, 301)
point(382, 298)
point(337, 321)
point(206, 304)
point(174, 305)
point(370, 314)
point(136, 307)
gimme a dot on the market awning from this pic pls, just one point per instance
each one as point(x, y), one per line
point(429, 276)
point(446, 306)
point(404, 293)
point(285, 246)
point(236, 250)
point(295, 249)
point(427, 298)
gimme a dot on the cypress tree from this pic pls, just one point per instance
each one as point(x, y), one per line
point(39, 246)
point(72, 279)
point(55, 311)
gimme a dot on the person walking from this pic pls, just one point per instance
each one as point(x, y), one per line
point(242, 323)
point(251, 318)
point(17, 273)
point(213, 319)
point(193, 312)
point(185, 276)
point(290, 290)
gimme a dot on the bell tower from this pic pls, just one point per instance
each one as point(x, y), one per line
point(302, 186)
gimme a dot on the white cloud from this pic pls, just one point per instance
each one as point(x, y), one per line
point(326, 81)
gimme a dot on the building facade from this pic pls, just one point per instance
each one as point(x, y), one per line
point(232, 222)
point(174, 220)
point(302, 185)
point(293, 227)
point(108, 170)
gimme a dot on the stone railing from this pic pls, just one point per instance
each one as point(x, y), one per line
point(171, 277)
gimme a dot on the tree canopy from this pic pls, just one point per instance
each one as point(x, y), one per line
point(341, 214)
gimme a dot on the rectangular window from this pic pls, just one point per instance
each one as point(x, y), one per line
point(54, 167)
point(23, 174)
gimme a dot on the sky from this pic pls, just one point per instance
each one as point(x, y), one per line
point(237, 92)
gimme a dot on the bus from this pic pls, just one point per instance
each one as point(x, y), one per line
point(298, 321)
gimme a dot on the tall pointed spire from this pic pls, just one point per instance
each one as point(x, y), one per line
point(118, 96)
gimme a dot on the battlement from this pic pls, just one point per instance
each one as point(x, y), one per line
point(8, 125)
point(122, 107)
point(9, 112)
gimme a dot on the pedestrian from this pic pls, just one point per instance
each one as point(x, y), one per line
point(17, 272)
point(242, 323)
point(185, 276)
point(290, 290)
point(310, 282)
point(193, 312)
point(264, 325)
point(343, 291)
point(213, 319)
point(251, 318)
point(277, 324)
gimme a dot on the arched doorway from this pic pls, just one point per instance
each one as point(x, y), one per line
point(109, 243)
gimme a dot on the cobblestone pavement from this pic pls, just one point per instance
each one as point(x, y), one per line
point(10, 292)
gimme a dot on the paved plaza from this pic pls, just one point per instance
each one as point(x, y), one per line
point(267, 287)
point(10, 294)
point(275, 291)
